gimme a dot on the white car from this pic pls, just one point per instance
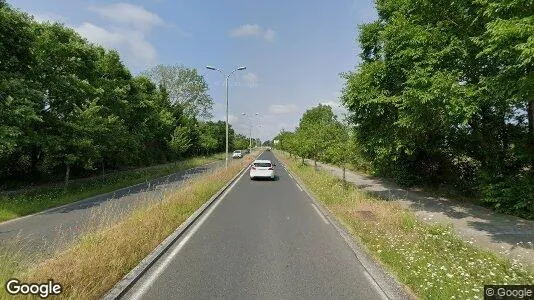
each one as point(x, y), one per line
point(262, 169)
point(237, 154)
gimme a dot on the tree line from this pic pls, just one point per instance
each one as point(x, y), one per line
point(444, 96)
point(71, 108)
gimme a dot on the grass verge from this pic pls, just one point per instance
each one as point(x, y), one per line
point(430, 259)
point(90, 266)
point(33, 201)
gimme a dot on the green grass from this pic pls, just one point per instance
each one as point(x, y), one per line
point(37, 200)
point(429, 259)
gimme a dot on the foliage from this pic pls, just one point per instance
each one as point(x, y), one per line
point(185, 87)
point(71, 108)
point(241, 142)
point(180, 141)
point(444, 96)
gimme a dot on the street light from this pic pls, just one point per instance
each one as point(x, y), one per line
point(227, 76)
point(251, 126)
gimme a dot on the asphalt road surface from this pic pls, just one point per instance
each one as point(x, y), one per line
point(53, 229)
point(263, 239)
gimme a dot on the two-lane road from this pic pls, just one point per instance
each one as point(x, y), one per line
point(263, 239)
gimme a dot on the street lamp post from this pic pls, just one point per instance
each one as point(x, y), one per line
point(250, 132)
point(227, 77)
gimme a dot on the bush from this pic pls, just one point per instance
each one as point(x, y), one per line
point(465, 175)
point(511, 195)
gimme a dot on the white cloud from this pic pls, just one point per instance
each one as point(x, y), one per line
point(130, 15)
point(280, 109)
point(251, 79)
point(269, 35)
point(246, 30)
point(232, 118)
point(253, 30)
point(337, 108)
point(48, 17)
point(128, 35)
point(100, 35)
point(131, 43)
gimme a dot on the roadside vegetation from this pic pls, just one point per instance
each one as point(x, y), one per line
point(430, 259)
point(71, 109)
point(27, 202)
point(442, 98)
point(91, 265)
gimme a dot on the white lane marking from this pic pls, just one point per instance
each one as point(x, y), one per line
point(146, 284)
point(320, 214)
point(298, 185)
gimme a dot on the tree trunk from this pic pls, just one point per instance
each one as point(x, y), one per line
point(67, 175)
point(315, 163)
point(103, 170)
point(302, 160)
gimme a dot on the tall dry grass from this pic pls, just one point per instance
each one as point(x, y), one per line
point(92, 265)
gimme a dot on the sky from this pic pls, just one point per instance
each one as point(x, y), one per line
point(293, 51)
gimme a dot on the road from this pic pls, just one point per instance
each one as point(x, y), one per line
point(263, 239)
point(52, 229)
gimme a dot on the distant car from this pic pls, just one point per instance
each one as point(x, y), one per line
point(262, 169)
point(237, 154)
point(268, 148)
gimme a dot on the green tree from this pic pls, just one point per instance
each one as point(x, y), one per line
point(180, 141)
point(314, 131)
point(20, 94)
point(185, 87)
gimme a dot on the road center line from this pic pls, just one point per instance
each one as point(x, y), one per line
point(147, 283)
point(320, 214)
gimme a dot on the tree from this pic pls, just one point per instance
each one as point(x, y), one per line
point(314, 131)
point(241, 141)
point(20, 94)
point(508, 42)
point(185, 88)
point(69, 107)
point(444, 95)
point(180, 141)
point(340, 148)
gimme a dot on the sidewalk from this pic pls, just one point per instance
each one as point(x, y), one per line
point(507, 235)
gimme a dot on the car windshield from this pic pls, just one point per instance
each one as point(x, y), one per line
point(262, 164)
point(237, 151)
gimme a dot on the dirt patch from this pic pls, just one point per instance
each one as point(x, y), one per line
point(365, 215)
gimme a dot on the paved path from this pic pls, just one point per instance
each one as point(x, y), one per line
point(508, 235)
point(263, 240)
point(54, 228)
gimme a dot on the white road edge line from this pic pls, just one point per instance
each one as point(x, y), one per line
point(348, 241)
point(299, 187)
point(320, 214)
point(146, 284)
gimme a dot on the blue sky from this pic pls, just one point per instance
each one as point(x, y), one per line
point(293, 50)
